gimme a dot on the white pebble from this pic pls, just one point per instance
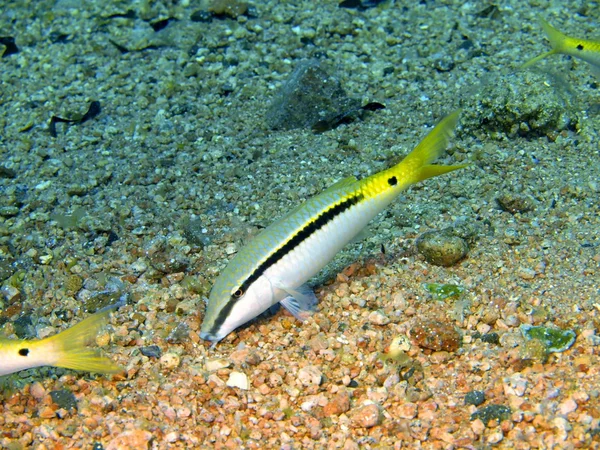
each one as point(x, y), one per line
point(495, 437)
point(310, 375)
point(238, 380)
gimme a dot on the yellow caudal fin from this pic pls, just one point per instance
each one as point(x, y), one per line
point(433, 170)
point(70, 348)
point(418, 161)
point(557, 41)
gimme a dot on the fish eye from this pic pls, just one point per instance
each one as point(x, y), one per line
point(238, 293)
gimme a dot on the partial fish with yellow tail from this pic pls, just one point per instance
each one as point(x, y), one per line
point(275, 266)
point(68, 349)
point(588, 51)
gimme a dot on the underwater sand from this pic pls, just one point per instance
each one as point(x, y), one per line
point(148, 200)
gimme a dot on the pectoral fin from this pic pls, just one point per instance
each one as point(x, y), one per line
point(301, 302)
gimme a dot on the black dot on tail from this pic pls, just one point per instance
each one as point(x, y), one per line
point(23, 351)
point(580, 47)
point(393, 181)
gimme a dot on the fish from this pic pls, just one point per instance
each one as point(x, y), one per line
point(68, 349)
point(275, 266)
point(588, 51)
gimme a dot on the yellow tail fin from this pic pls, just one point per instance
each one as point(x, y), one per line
point(69, 348)
point(557, 40)
point(418, 161)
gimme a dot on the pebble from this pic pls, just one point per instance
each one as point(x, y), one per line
point(64, 398)
point(37, 390)
point(11, 294)
point(526, 273)
point(338, 404)
point(310, 376)
point(408, 411)
point(244, 356)
point(378, 318)
point(213, 365)
point(151, 351)
point(171, 437)
point(130, 439)
point(238, 380)
point(366, 416)
point(474, 398)
point(442, 248)
point(568, 406)
point(515, 385)
point(46, 413)
point(170, 360)
point(435, 335)
point(495, 437)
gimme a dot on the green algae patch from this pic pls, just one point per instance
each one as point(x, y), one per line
point(444, 291)
point(555, 340)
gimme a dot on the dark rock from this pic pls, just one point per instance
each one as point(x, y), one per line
point(491, 338)
point(64, 399)
point(310, 95)
point(474, 398)
point(492, 412)
point(151, 351)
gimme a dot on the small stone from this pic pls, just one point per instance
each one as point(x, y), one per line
point(338, 404)
point(244, 356)
point(474, 398)
point(366, 416)
point(310, 376)
point(568, 406)
point(442, 248)
point(37, 390)
point(151, 351)
point(46, 413)
point(64, 399)
point(10, 293)
point(492, 412)
point(229, 8)
point(526, 274)
point(238, 380)
point(130, 439)
point(170, 360)
point(408, 411)
point(378, 318)
point(213, 365)
point(478, 427)
point(514, 203)
point(495, 437)
point(318, 342)
point(435, 335)
point(171, 437)
point(491, 338)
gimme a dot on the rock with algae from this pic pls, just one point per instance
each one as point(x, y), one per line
point(444, 291)
point(526, 103)
point(555, 340)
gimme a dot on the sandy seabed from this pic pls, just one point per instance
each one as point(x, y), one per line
point(149, 199)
